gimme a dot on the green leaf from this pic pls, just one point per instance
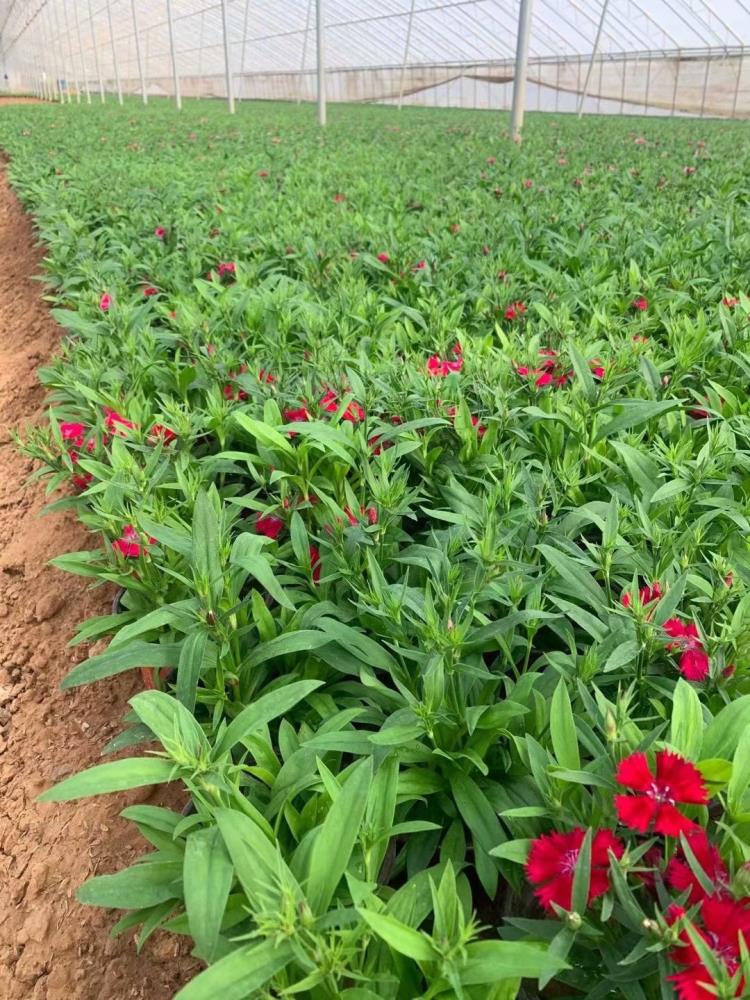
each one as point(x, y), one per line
point(686, 732)
point(634, 413)
point(513, 850)
point(577, 577)
point(740, 780)
point(116, 661)
point(198, 654)
point(583, 372)
point(117, 776)
point(722, 736)
point(301, 641)
point(335, 840)
point(488, 961)
point(171, 723)
point(622, 655)
point(206, 547)
point(267, 436)
point(142, 885)
point(267, 707)
point(563, 728)
point(207, 879)
point(240, 974)
point(402, 938)
point(582, 876)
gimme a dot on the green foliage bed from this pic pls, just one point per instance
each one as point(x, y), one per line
point(422, 460)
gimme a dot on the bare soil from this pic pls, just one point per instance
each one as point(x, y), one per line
point(51, 947)
point(13, 99)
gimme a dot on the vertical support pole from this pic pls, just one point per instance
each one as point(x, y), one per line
point(599, 88)
point(244, 44)
point(72, 58)
point(118, 82)
point(62, 72)
point(622, 84)
point(594, 54)
point(227, 58)
point(97, 64)
point(557, 85)
point(304, 50)
point(173, 54)
point(676, 81)
point(740, 66)
point(648, 84)
point(320, 14)
point(522, 62)
point(86, 84)
point(138, 56)
point(407, 44)
point(705, 86)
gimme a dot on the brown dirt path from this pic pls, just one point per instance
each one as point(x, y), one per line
point(52, 948)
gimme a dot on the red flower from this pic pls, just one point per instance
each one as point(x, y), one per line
point(227, 269)
point(647, 595)
point(315, 564)
point(680, 876)
point(160, 432)
point(549, 371)
point(129, 544)
point(455, 228)
point(116, 423)
point(694, 662)
point(338, 198)
point(514, 310)
point(264, 376)
point(262, 173)
point(688, 171)
point(640, 304)
point(730, 301)
point(723, 922)
point(160, 232)
point(353, 413)
point(552, 864)
point(81, 480)
point(480, 428)
point(73, 432)
point(383, 258)
point(654, 807)
point(420, 265)
point(105, 302)
point(491, 161)
point(439, 367)
point(528, 184)
point(597, 369)
point(296, 415)
point(149, 290)
point(269, 525)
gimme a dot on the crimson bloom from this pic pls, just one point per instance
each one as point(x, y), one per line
point(480, 428)
point(552, 862)
point(73, 433)
point(444, 366)
point(315, 563)
point(296, 414)
point(514, 310)
point(160, 432)
point(420, 265)
point(723, 921)
point(549, 371)
point(646, 595)
point(269, 525)
point(129, 544)
point(680, 876)
point(654, 806)
point(694, 661)
point(262, 173)
point(116, 423)
point(228, 269)
point(105, 302)
point(353, 413)
point(730, 301)
point(82, 480)
point(149, 290)
point(528, 183)
point(640, 304)
point(160, 232)
point(384, 258)
point(264, 376)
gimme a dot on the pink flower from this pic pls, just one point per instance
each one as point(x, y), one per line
point(262, 173)
point(694, 661)
point(116, 423)
point(149, 290)
point(105, 302)
point(420, 265)
point(269, 525)
point(514, 310)
point(353, 413)
point(654, 806)
point(384, 258)
point(639, 141)
point(227, 269)
point(73, 433)
point(160, 232)
point(442, 367)
point(160, 432)
point(730, 301)
point(129, 544)
point(640, 304)
point(528, 184)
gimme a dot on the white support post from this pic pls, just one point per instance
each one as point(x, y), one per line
point(97, 64)
point(118, 82)
point(676, 81)
point(594, 54)
point(62, 72)
point(72, 58)
point(320, 14)
point(740, 64)
point(705, 87)
point(173, 53)
point(227, 57)
point(407, 45)
point(138, 55)
point(244, 43)
point(522, 62)
point(304, 50)
point(80, 50)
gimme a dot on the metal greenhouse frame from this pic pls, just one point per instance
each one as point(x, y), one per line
point(674, 57)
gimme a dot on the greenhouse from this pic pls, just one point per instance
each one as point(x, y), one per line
point(375, 500)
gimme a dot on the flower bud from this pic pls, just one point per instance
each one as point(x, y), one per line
point(573, 920)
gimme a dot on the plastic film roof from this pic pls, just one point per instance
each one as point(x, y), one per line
point(278, 35)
